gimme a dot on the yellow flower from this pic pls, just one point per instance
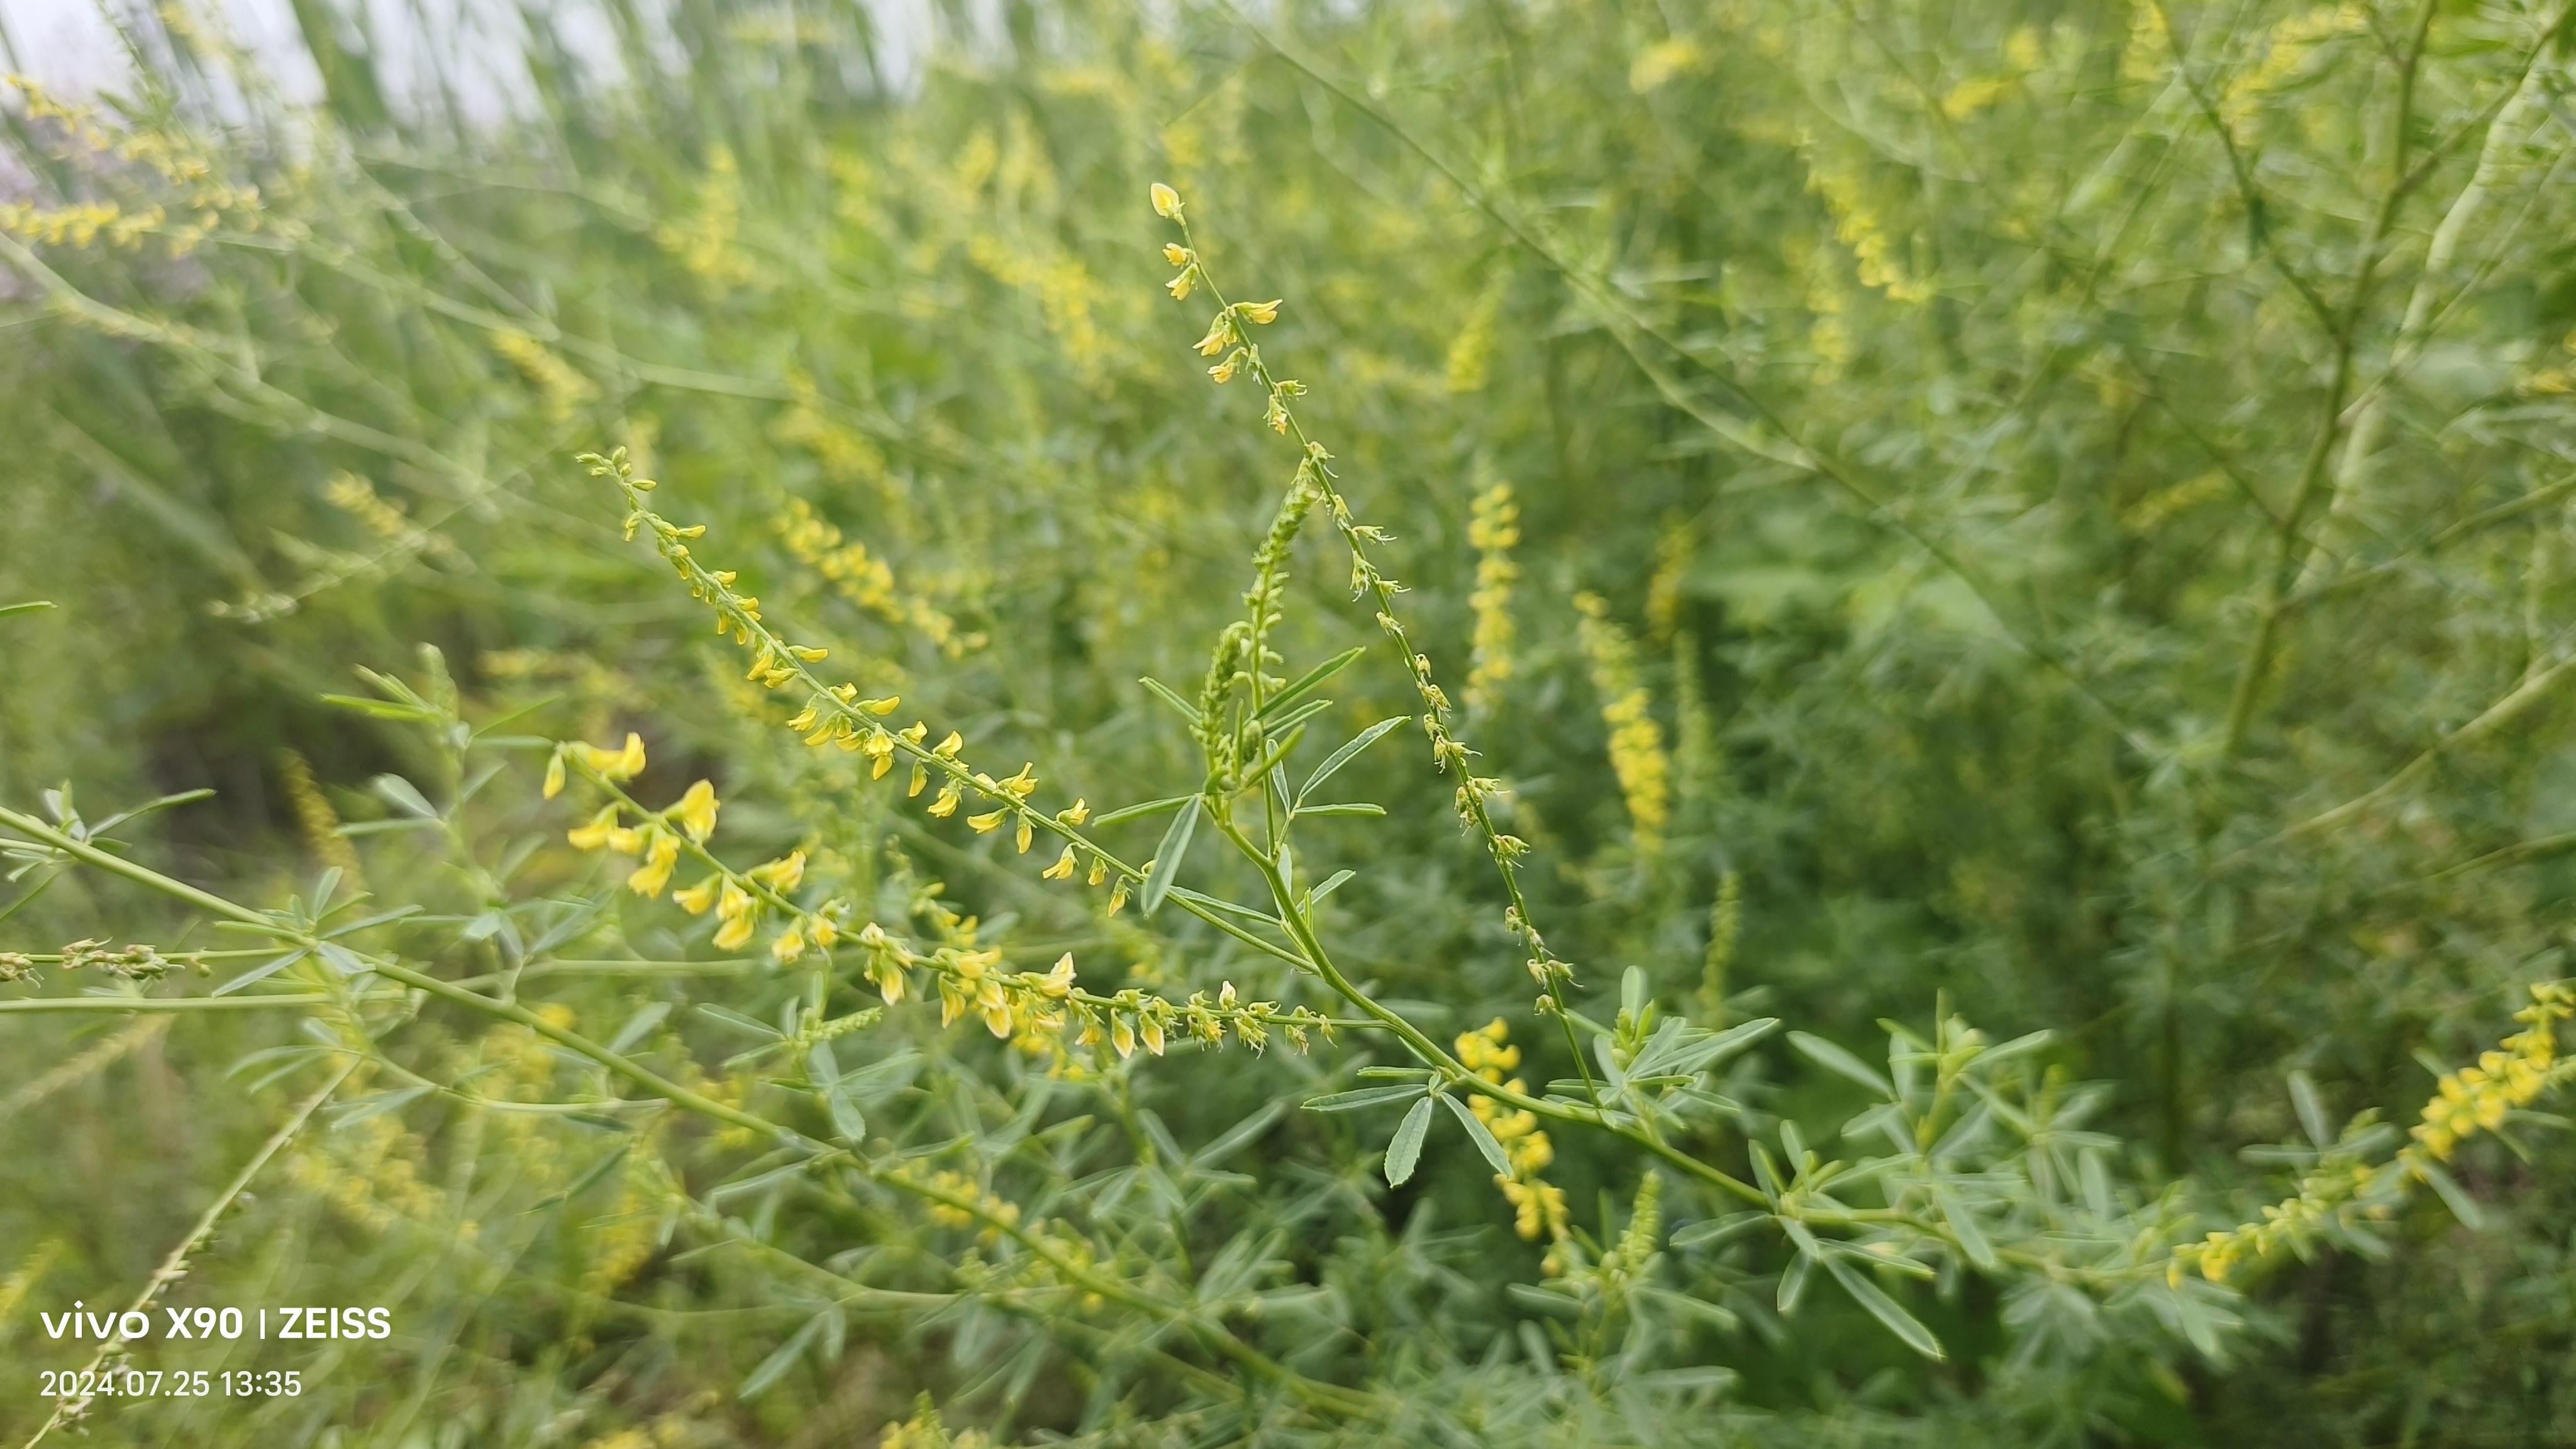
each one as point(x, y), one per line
point(1151, 1028)
point(986, 821)
point(554, 775)
point(997, 1019)
point(734, 933)
point(1062, 869)
point(697, 811)
point(1026, 834)
point(697, 898)
point(1219, 333)
point(1122, 1036)
point(781, 874)
point(1059, 980)
point(1177, 254)
point(1167, 202)
point(789, 945)
point(621, 764)
point(1264, 313)
point(655, 873)
point(596, 833)
point(1073, 814)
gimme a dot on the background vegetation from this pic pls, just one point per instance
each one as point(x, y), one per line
point(2058, 515)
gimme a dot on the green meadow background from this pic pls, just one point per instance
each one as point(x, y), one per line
point(2054, 513)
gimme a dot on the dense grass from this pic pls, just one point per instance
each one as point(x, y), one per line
point(2057, 519)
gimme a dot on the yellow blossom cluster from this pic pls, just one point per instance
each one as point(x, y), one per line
point(2471, 1100)
point(1858, 225)
point(864, 579)
point(2475, 1099)
point(565, 390)
point(705, 242)
point(1637, 754)
point(196, 202)
point(1537, 1206)
point(1493, 530)
point(988, 1207)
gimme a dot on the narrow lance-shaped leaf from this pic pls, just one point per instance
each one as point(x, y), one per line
point(1883, 1308)
point(1167, 856)
point(1406, 1149)
point(1481, 1135)
point(1348, 752)
point(1840, 1061)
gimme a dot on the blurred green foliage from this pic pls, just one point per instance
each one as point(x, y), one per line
point(2072, 506)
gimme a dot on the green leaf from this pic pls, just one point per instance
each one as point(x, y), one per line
point(1364, 1097)
point(739, 1021)
point(1964, 1226)
point(259, 973)
point(1793, 1283)
point(1885, 1309)
point(1331, 883)
point(1164, 692)
point(1406, 1150)
point(404, 796)
point(2454, 1196)
point(590, 1178)
point(1480, 1134)
point(1356, 807)
point(2311, 1110)
point(1718, 1230)
point(32, 606)
point(847, 1120)
point(643, 1021)
point(1349, 752)
point(775, 1367)
point(1138, 812)
point(1167, 856)
point(1835, 1059)
point(1310, 681)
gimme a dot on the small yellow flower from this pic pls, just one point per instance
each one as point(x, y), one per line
point(734, 933)
point(1026, 834)
point(697, 811)
point(986, 821)
point(596, 833)
point(997, 1019)
point(1219, 333)
point(614, 765)
point(1180, 286)
point(781, 874)
point(655, 873)
point(1099, 871)
point(1059, 979)
point(1122, 1036)
point(1073, 814)
point(1167, 202)
point(1062, 869)
point(789, 945)
point(554, 775)
point(1264, 313)
point(946, 804)
point(1151, 1028)
point(698, 898)
point(1177, 254)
